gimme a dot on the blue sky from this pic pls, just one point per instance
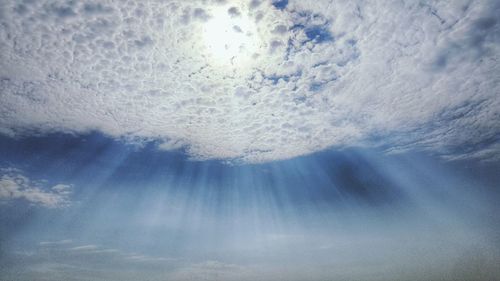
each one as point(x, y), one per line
point(249, 140)
point(134, 212)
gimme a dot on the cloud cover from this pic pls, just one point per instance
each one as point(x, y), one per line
point(397, 74)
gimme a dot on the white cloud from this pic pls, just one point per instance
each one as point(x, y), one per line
point(213, 270)
point(67, 247)
point(15, 186)
point(56, 243)
point(400, 75)
point(85, 248)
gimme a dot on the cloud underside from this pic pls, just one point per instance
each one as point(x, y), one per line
point(400, 75)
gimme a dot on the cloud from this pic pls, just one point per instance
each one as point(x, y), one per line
point(66, 248)
point(59, 260)
point(213, 270)
point(400, 75)
point(15, 186)
point(84, 248)
point(56, 243)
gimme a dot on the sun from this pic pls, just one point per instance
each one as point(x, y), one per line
point(230, 37)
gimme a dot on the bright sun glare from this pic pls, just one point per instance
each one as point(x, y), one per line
point(230, 39)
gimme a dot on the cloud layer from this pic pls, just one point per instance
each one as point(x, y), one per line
point(399, 74)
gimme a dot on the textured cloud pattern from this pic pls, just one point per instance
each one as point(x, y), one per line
point(392, 74)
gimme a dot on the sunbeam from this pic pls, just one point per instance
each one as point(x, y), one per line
point(328, 215)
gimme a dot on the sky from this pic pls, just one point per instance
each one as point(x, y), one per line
point(249, 140)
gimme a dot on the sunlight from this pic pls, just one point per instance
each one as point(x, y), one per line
point(230, 38)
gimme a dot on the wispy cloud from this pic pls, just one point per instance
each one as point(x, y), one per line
point(69, 260)
point(92, 250)
point(212, 270)
point(56, 243)
point(84, 248)
point(15, 186)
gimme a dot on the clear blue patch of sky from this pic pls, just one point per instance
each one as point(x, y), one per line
point(280, 4)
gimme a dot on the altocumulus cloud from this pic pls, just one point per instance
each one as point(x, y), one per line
point(393, 74)
point(15, 186)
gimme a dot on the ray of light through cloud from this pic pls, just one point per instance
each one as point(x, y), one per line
point(249, 140)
